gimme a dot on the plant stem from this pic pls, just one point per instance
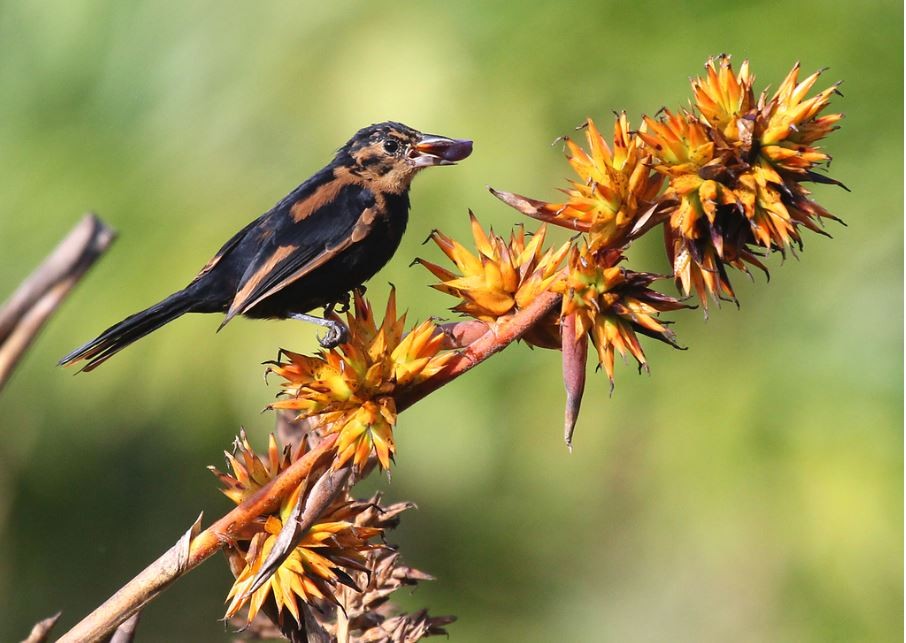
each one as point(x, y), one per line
point(194, 549)
point(26, 311)
point(190, 552)
point(494, 340)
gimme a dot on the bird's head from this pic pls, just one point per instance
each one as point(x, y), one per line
point(389, 155)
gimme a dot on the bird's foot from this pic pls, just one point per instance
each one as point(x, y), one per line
point(336, 334)
point(341, 306)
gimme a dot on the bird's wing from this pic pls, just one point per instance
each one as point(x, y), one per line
point(227, 247)
point(306, 234)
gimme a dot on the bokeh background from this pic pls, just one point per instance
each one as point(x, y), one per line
point(750, 489)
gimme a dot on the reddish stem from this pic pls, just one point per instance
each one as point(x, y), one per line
point(192, 551)
point(494, 340)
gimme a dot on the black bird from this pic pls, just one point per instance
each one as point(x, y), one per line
point(325, 238)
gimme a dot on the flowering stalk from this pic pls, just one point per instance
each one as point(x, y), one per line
point(724, 179)
point(201, 545)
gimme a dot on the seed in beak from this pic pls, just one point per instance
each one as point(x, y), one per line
point(440, 150)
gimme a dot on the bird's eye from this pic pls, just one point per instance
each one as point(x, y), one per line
point(391, 146)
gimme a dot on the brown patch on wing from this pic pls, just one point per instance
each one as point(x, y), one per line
point(261, 274)
point(227, 247)
point(241, 302)
point(317, 200)
point(363, 225)
point(213, 261)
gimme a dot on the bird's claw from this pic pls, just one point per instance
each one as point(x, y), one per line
point(340, 306)
point(336, 334)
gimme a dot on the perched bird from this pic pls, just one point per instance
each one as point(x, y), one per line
point(325, 238)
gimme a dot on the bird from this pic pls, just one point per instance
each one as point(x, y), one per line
point(324, 239)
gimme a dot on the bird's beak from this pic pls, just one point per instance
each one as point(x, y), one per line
point(439, 150)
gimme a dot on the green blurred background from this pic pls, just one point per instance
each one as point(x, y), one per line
point(750, 489)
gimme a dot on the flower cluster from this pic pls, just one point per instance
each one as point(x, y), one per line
point(320, 561)
point(350, 389)
point(335, 578)
point(724, 178)
point(735, 168)
point(617, 188)
point(611, 304)
point(501, 277)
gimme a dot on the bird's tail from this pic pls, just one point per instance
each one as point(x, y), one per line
point(134, 327)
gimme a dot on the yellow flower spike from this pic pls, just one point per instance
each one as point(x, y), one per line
point(407, 357)
point(615, 187)
point(369, 428)
point(350, 388)
point(441, 273)
point(503, 277)
point(679, 143)
point(612, 304)
point(723, 98)
point(789, 124)
point(463, 259)
point(482, 243)
point(599, 150)
point(322, 560)
point(622, 141)
point(526, 251)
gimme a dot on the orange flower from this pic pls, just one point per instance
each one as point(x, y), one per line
point(319, 563)
point(251, 471)
point(789, 123)
point(724, 99)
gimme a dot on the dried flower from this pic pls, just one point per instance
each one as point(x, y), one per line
point(368, 615)
point(407, 628)
point(332, 549)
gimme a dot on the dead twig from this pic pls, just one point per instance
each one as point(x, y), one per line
point(41, 630)
point(26, 311)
